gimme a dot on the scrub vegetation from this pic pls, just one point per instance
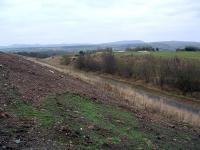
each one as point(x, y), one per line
point(175, 73)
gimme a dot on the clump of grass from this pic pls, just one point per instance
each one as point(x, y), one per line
point(66, 59)
point(24, 109)
point(117, 122)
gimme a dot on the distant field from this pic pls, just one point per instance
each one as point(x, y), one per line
point(187, 55)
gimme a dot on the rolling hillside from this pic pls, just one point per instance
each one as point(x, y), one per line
point(119, 45)
point(42, 108)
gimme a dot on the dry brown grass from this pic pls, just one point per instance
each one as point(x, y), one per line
point(141, 101)
point(131, 96)
point(144, 102)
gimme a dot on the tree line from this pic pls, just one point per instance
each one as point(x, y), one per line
point(189, 49)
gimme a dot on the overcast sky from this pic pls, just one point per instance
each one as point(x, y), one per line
point(95, 21)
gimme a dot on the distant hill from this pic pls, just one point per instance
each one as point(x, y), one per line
point(118, 45)
point(125, 42)
point(173, 45)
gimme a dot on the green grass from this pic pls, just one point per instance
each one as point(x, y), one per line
point(111, 120)
point(185, 55)
point(109, 124)
point(92, 125)
point(23, 109)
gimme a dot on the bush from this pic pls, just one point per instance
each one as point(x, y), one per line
point(86, 61)
point(144, 48)
point(187, 77)
point(189, 49)
point(80, 61)
point(66, 60)
point(91, 64)
point(109, 63)
point(181, 74)
point(125, 69)
point(147, 68)
point(174, 72)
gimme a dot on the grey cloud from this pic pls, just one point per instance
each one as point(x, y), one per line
point(99, 20)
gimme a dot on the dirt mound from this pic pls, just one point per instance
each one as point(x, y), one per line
point(35, 82)
point(20, 78)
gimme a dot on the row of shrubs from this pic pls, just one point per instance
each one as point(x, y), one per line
point(189, 49)
point(181, 74)
point(147, 48)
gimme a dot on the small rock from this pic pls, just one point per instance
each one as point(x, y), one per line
point(109, 139)
point(51, 71)
point(3, 132)
point(76, 111)
point(174, 140)
point(119, 121)
point(4, 115)
point(18, 141)
point(3, 147)
point(160, 137)
point(124, 138)
point(87, 139)
point(172, 126)
point(91, 127)
point(71, 145)
point(94, 98)
point(43, 110)
point(187, 139)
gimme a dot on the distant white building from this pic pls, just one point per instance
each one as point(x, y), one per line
point(147, 52)
point(120, 51)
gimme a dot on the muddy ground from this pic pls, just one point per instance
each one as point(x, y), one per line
point(22, 80)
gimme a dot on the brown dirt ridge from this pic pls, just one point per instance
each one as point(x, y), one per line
point(35, 82)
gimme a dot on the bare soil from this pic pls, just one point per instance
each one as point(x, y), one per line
point(35, 82)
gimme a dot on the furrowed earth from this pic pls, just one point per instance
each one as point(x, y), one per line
point(41, 108)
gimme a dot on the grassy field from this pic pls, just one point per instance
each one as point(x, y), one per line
point(186, 55)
